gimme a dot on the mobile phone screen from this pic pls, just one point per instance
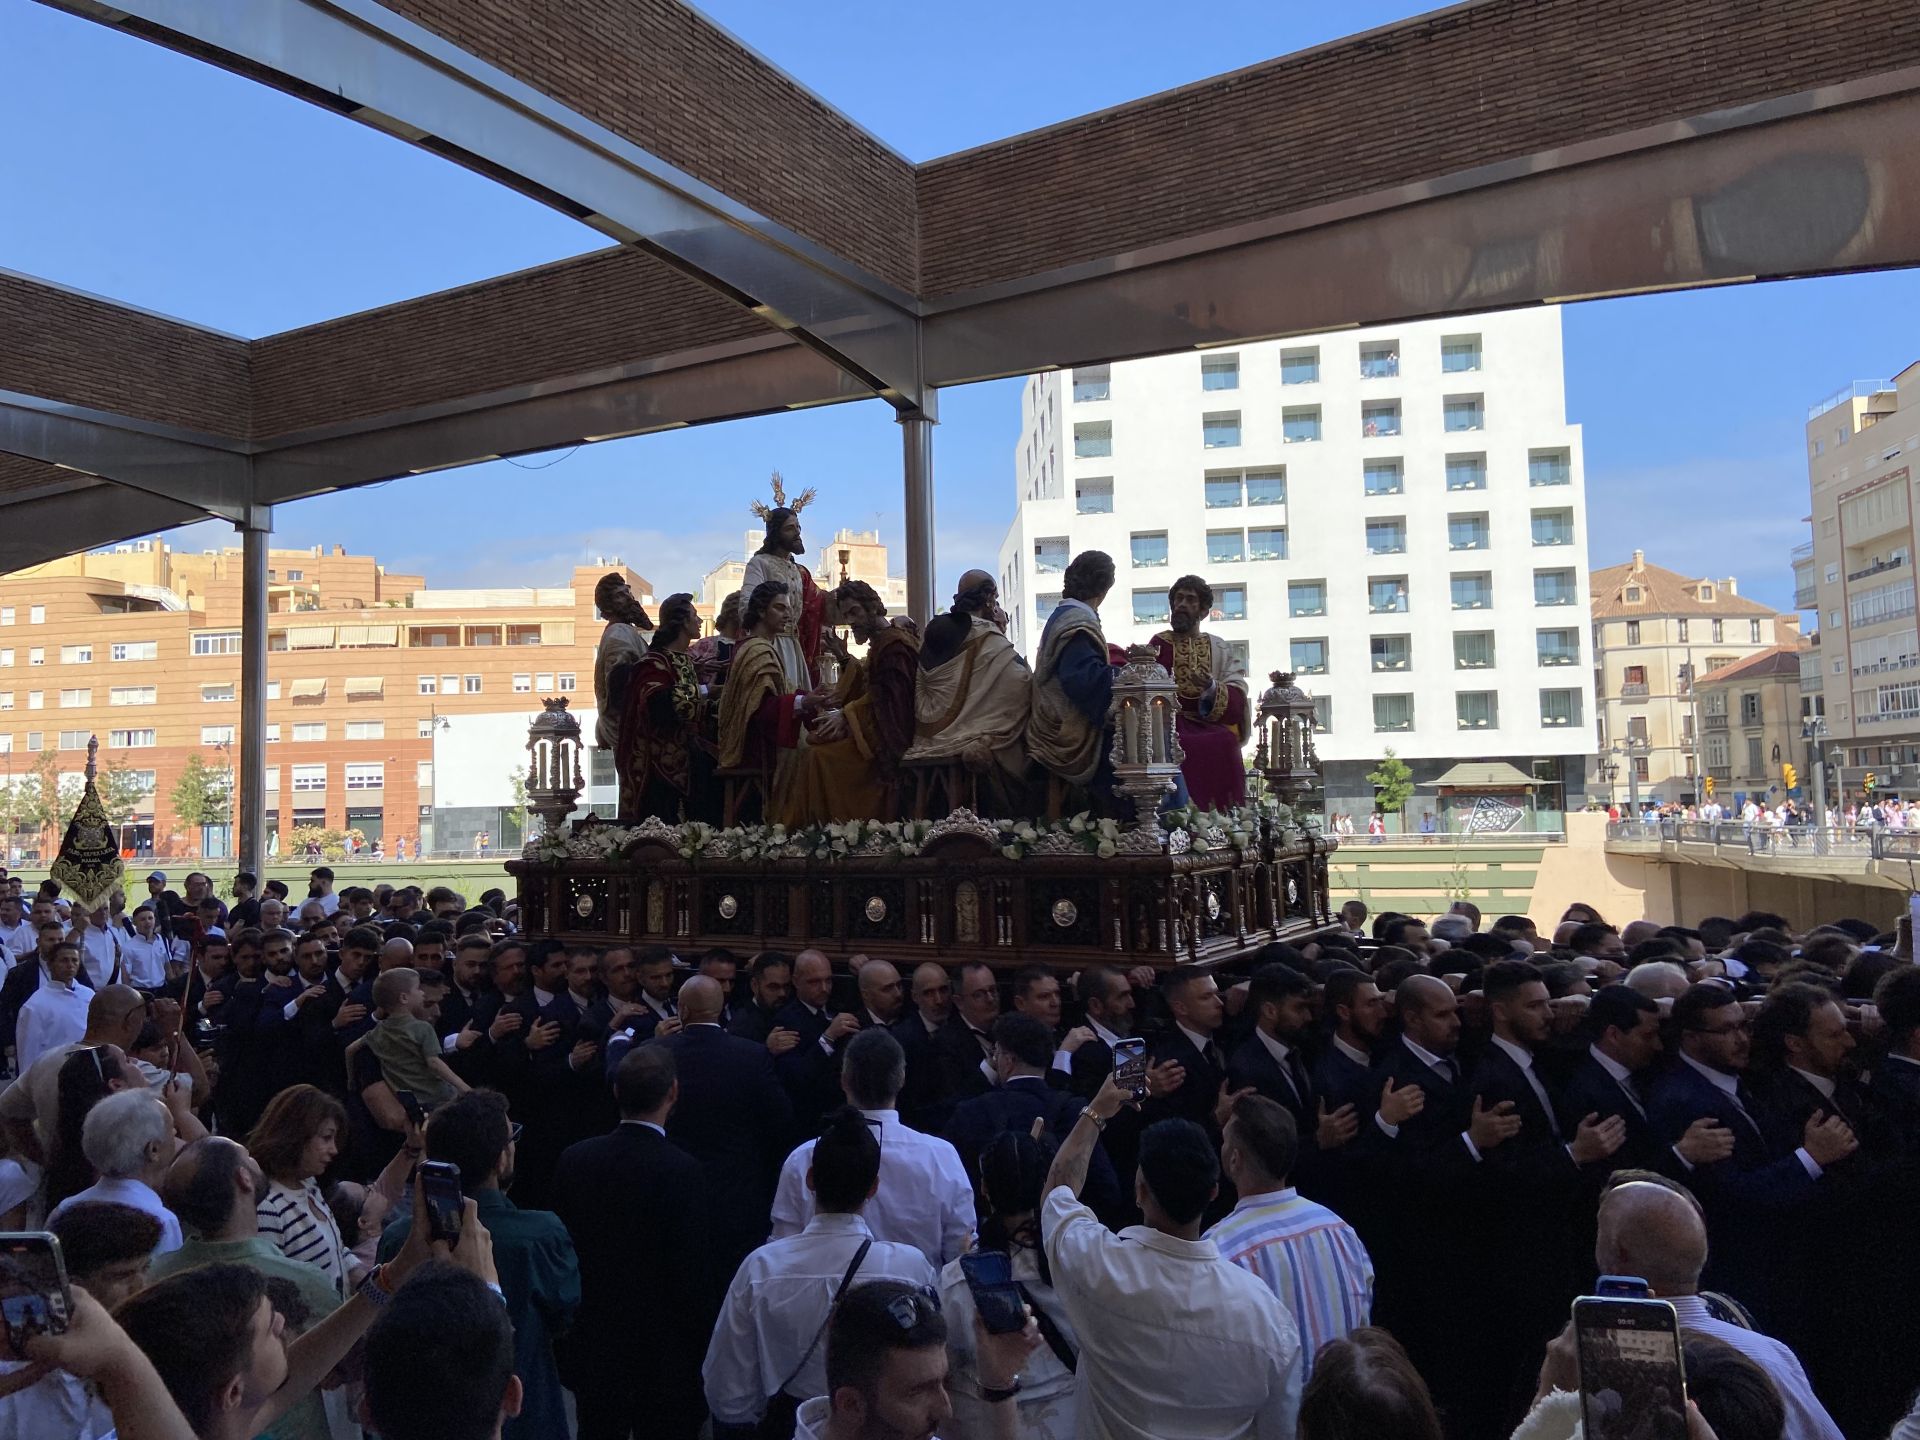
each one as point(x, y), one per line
point(989, 1276)
point(1130, 1065)
point(33, 1287)
point(410, 1106)
point(1632, 1383)
point(440, 1183)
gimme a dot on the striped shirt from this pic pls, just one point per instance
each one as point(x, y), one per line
point(297, 1219)
point(1308, 1256)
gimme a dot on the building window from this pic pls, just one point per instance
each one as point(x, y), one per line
point(1093, 496)
point(1467, 532)
point(1559, 708)
point(1755, 766)
point(1230, 602)
point(76, 654)
point(1050, 555)
point(1093, 439)
point(1466, 472)
point(74, 739)
point(1300, 367)
point(1464, 412)
point(1267, 542)
point(1382, 477)
point(216, 642)
point(1266, 487)
point(75, 699)
point(223, 693)
point(1549, 467)
point(309, 777)
point(1473, 650)
point(1753, 631)
point(1092, 382)
point(37, 615)
point(470, 684)
point(1553, 527)
point(6, 614)
point(1378, 418)
point(216, 734)
point(1150, 607)
point(1387, 536)
point(565, 681)
point(1149, 552)
point(309, 730)
point(1680, 630)
point(427, 685)
point(1299, 424)
point(133, 695)
point(543, 683)
point(1390, 652)
point(273, 733)
point(6, 657)
point(1220, 430)
point(37, 656)
point(1043, 608)
point(369, 776)
point(424, 729)
point(1476, 709)
point(366, 729)
point(1306, 598)
point(1387, 595)
point(273, 689)
point(1226, 547)
point(6, 699)
point(1749, 709)
point(1393, 712)
point(1633, 632)
point(1557, 647)
point(1380, 360)
point(1322, 714)
point(135, 650)
point(1459, 354)
point(1472, 592)
point(36, 699)
point(1309, 657)
point(1219, 372)
point(1553, 587)
point(1719, 629)
point(1223, 491)
point(522, 684)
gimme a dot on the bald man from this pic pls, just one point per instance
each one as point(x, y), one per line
point(396, 954)
point(881, 993)
point(1655, 1231)
point(733, 1116)
point(811, 1069)
point(923, 1103)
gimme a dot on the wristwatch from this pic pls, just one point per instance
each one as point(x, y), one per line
point(1099, 1121)
point(371, 1288)
point(995, 1396)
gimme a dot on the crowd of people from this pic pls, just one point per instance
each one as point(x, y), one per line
point(1354, 1193)
point(1770, 817)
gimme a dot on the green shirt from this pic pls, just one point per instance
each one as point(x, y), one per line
point(540, 1278)
point(308, 1419)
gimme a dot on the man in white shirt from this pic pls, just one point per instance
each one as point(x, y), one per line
point(924, 1199)
point(145, 954)
point(1656, 1233)
point(1174, 1340)
point(770, 1341)
point(99, 945)
point(129, 1140)
point(16, 934)
point(320, 887)
point(56, 1013)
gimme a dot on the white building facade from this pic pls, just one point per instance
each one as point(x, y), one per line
point(1397, 516)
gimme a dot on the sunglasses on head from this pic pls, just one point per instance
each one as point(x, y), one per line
point(915, 1308)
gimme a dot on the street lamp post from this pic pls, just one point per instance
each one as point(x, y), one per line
point(1813, 731)
point(1633, 771)
point(1610, 772)
point(436, 722)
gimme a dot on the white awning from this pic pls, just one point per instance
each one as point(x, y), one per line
point(309, 690)
point(368, 636)
point(366, 687)
point(310, 637)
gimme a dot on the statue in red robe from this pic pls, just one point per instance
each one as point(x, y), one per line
point(666, 764)
point(1213, 720)
point(798, 644)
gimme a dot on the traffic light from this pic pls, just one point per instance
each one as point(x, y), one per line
point(1869, 782)
point(1787, 775)
point(1709, 787)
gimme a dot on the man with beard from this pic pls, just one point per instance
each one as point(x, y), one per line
point(666, 768)
point(1068, 731)
point(798, 641)
point(621, 643)
point(847, 768)
point(975, 692)
point(1212, 723)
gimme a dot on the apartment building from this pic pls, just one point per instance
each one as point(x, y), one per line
point(1397, 516)
point(849, 555)
point(1749, 713)
point(1856, 575)
point(393, 708)
point(1656, 635)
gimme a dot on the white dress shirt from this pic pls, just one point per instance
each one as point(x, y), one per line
point(145, 960)
point(54, 1014)
point(778, 1303)
point(1048, 1389)
point(100, 953)
point(135, 1193)
point(1174, 1340)
point(20, 940)
point(925, 1199)
point(59, 1404)
point(1807, 1418)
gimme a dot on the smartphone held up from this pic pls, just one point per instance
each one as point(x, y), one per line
point(34, 1299)
point(1633, 1383)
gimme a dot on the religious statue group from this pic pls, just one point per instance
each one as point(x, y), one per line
point(777, 707)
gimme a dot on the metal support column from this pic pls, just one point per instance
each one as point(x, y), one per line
point(916, 434)
point(254, 531)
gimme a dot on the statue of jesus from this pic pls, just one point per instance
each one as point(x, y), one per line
point(798, 646)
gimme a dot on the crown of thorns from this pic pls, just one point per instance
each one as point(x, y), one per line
point(800, 502)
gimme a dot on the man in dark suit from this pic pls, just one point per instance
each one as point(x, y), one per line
point(1356, 1012)
point(1612, 1079)
point(924, 1103)
point(635, 1205)
point(770, 979)
point(1272, 1062)
point(811, 1069)
point(733, 1116)
point(297, 1027)
point(1107, 997)
point(1896, 1080)
point(1186, 1055)
point(654, 968)
point(966, 1041)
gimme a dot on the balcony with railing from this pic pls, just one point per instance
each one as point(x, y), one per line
point(1715, 722)
point(1801, 552)
point(1858, 390)
point(1878, 567)
point(1634, 690)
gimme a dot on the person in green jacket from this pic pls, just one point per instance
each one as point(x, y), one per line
point(539, 1273)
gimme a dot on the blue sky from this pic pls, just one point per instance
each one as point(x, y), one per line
point(160, 181)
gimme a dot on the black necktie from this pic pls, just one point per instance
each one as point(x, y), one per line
point(1630, 1085)
point(1451, 1070)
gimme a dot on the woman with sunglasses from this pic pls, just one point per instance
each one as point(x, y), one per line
point(295, 1143)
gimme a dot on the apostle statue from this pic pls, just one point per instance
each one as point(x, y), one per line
point(1073, 686)
point(975, 693)
point(847, 768)
point(1213, 720)
point(621, 643)
point(798, 645)
point(713, 653)
point(762, 710)
point(666, 765)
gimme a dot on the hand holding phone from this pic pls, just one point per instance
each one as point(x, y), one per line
point(34, 1299)
point(989, 1276)
point(1633, 1383)
point(1130, 1066)
point(439, 1183)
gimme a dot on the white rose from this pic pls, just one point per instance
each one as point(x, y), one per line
point(1107, 850)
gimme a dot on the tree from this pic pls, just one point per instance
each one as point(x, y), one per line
point(40, 809)
point(203, 795)
point(1392, 783)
